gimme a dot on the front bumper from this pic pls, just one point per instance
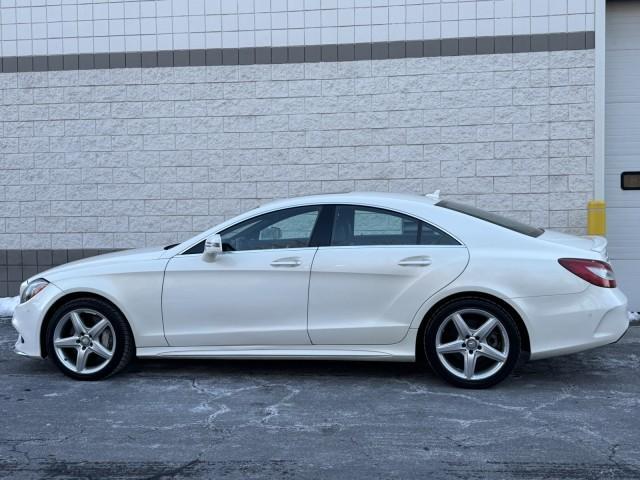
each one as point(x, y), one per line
point(28, 318)
point(563, 324)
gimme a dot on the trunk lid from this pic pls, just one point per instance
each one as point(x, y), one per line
point(592, 243)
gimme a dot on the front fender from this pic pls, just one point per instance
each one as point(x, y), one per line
point(137, 295)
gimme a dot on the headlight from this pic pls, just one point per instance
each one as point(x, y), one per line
point(30, 290)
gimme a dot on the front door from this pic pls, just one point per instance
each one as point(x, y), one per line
point(380, 267)
point(254, 293)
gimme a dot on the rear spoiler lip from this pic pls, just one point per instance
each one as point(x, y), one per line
point(599, 245)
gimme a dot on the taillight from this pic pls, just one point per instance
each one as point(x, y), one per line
point(593, 271)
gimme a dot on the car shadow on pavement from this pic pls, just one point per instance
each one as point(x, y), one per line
point(593, 369)
point(291, 368)
point(562, 370)
point(577, 370)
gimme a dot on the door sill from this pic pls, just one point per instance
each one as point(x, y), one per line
point(403, 351)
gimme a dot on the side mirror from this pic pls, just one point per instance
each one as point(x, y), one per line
point(212, 246)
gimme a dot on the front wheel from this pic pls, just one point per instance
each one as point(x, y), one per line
point(472, 342)
point(89, 339)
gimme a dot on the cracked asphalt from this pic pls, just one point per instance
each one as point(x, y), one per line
point(572, 417)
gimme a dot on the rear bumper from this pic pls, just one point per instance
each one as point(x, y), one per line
point(563, 324)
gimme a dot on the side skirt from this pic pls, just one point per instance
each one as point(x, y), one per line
point(403, 351)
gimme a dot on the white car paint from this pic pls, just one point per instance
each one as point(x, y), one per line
point(362, 303)
point(131, 279)
point(254, 302)
point(391, 284)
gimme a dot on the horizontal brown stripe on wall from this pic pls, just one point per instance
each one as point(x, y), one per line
point(305, 54)
point(18, 265)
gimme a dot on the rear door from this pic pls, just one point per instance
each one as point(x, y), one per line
point(378, 269)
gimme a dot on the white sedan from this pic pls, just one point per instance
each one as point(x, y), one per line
point(359, 276)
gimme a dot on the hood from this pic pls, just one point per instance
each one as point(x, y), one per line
point(136, 254)
point(591, 243)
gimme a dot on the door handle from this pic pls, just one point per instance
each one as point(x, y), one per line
point(287, 262)
point(419, 261)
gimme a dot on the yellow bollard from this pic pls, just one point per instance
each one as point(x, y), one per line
point(596, 217)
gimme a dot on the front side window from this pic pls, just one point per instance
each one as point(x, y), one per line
point(288, 228)
point(355, 225)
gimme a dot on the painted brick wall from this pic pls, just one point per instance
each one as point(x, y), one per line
point(131, 157)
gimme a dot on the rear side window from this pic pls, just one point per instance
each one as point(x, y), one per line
point(494, 218)
point(362, 226)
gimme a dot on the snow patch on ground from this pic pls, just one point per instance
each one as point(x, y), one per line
point(8, 305)
point(634, 316)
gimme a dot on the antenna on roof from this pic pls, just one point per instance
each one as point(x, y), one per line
point(435, 195)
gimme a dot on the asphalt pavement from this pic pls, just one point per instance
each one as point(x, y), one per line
point(573, 417)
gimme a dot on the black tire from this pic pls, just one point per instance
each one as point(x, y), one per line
point(123, 351)
point(442, 315)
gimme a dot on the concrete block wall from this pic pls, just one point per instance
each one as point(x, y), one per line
point(224, 105)
point(122, 158)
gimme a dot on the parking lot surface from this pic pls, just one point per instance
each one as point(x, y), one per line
point(572, 417)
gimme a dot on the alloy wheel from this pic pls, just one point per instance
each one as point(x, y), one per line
point(472, 344)
point(84, 340)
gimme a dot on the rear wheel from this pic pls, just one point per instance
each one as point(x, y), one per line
point(89, 339)
point(472, 342)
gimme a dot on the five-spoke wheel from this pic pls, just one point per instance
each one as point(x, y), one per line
point(89, 339)
point(472, 342)
point(84, 340)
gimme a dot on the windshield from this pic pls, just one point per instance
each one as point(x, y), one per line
point(492, 218)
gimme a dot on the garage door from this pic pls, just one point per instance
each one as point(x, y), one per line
point(622, 144)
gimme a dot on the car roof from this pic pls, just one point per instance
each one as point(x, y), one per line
point(380, 198)
point(462, 227)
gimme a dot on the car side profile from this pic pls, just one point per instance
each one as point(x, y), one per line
point(358, 276)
